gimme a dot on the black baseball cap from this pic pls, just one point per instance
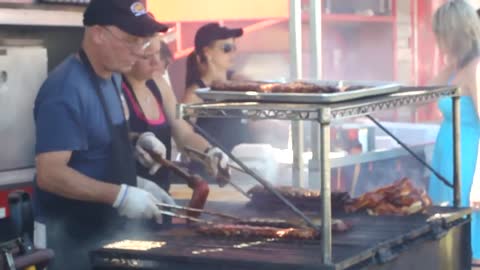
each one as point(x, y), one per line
point(213, 31)
point(130, 16)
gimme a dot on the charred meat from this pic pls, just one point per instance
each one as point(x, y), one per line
point(290, 87)
point(400, 198)
point(304, 199)
point(267, 222)
point(248, 231)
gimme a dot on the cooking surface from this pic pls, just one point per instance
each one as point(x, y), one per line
point(368, 234)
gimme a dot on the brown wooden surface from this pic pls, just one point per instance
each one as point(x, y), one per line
point(227, 193)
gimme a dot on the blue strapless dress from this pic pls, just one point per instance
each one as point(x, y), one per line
point(443, 159)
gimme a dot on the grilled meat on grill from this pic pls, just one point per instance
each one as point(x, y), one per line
point(268, 228)
point(267, 222)
point(240, 86)
point(199, 196)
point(296, 87)
point(195, 182)
point(399, 198)
point(287, 191)
point(247, 231)
point(304, 199)
point(291, 87)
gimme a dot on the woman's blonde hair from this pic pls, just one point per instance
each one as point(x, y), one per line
point(457, 28)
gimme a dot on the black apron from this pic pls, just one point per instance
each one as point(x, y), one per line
point(88, 225)
point(162, 131)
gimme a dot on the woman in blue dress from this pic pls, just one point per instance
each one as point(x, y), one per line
point(457, 30)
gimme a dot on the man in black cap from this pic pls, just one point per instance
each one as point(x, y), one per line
point(86, 185)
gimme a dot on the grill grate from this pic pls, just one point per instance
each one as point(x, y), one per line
point(368, 235)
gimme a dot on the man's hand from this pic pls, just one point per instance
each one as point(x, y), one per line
point(149, 143)
point(136, 203)
point(217, 165)
point(160, 194)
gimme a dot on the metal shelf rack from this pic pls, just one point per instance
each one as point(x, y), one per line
point(323, 114)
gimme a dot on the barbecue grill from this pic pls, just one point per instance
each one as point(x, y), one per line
point(323, 114)
point(436, 240)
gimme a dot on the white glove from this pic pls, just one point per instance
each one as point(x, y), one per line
point(148, 142)
point(475, 189)
point(136, 203)
point(217, 158)
point(158, 192)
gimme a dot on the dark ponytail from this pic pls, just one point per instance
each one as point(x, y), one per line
point(193, 70)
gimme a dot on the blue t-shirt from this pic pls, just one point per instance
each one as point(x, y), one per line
point(69, 117)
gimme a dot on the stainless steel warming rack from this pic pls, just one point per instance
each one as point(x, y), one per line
point(323, 114)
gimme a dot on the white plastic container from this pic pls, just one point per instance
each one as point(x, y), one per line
point(258, 157)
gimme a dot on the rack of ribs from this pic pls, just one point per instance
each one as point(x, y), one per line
point(290, 87)
point(304, 199)
point(400, 198)
point(248, 231)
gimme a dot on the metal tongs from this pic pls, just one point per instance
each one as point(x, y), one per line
point(203, 157)
point(174, 213)
point(196, 154)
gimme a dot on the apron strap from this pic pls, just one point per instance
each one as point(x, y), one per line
point(122, 152)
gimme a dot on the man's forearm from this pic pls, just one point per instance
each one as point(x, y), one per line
point(67, 182)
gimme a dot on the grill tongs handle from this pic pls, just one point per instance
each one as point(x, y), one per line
point(224, 175)
point(196, 154)
point(196, 183)
point(182, 216)
point(174, 213)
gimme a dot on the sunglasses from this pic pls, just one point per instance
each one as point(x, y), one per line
point(228, 47)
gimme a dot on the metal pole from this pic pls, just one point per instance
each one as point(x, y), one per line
point(297, 147)
point(316, 38)
point(295, 24)
point(317, 73)
point(414, 29)
point(456, 152)
point(325, 191)
point(320, 135)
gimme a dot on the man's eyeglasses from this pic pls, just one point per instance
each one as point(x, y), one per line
point(133, 45)
point(228, 47)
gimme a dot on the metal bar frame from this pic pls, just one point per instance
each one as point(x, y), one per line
point(323, 114)
point(394, 39)
point(320, 135)
point(326, 190)
point(457, 198)
point(316, 61)
point(297, 128)
point(316, 112)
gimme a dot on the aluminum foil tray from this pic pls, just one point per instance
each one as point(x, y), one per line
point(371, 89)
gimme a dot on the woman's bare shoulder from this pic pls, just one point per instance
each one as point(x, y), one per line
point(190, 96)
point(192, 88)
